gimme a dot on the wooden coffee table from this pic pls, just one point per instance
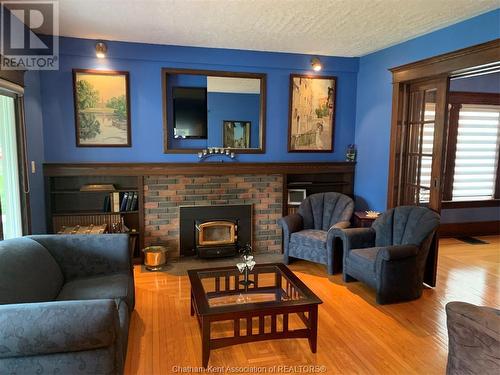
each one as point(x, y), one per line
point(217, 295)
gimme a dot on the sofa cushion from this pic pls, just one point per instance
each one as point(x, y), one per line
point(363, 259)
point(115, 286)
point(309, 237)
point(28, 273)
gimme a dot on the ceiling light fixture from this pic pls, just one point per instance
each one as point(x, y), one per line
point(316, 64)
point(100, 50)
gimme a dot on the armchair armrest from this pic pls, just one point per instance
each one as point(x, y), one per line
point(354, 238)
point(30, 329)
point(88, 254)
point(341, 225)
point(291, 223)
point(397, 252)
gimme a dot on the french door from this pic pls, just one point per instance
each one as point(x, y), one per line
point(421, 144)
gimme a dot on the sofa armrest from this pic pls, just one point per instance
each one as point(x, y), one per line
point(31, 329)
point(88, 254)
point(291, 223)
point(397, 252)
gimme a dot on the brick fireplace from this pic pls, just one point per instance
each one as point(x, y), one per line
point(163, 195)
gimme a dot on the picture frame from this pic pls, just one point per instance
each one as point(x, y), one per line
point(311, 117)
point(236, 134)
point(102, 108)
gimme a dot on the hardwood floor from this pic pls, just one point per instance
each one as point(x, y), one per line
point(355, 336)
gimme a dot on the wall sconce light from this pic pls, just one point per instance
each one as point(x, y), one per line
point(100, 50)
point(316, 64)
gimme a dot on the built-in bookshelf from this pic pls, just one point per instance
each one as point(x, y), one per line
point(341, 181)
point(118, 204)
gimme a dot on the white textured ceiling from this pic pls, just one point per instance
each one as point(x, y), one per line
point(324, 27)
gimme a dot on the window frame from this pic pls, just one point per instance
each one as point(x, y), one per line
point(456, 99)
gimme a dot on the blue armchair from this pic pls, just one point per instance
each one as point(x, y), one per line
point(308, 234)
point(391, 255)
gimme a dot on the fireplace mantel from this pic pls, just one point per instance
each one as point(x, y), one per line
point(203, 168)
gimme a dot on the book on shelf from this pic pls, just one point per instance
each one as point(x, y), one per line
point(120, 202)
point(133, 206)
point(115, 201)
point(123, 205)
point(106, 205)
point(129, 201)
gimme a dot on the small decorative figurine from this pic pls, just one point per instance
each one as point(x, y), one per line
point(247, 264)
point(350, 154)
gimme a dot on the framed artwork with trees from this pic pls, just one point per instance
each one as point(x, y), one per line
point(102, 108)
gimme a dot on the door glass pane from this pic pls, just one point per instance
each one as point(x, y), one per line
point(425, 171)
point(416, 106)
point(414, 138)
point(9, 175)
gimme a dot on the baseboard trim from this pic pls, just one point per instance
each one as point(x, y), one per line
point(477, 228)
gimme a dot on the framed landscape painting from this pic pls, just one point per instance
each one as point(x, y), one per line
point(102, 108)
point(311, 120)
point(236, 134)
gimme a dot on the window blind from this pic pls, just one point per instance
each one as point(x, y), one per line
point(477, 152)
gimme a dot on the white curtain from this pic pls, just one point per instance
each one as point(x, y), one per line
point(9, 174)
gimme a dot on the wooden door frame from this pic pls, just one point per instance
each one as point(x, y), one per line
point(434, 67)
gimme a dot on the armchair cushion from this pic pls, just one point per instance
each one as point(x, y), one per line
point(309, 237)
point(364, 259)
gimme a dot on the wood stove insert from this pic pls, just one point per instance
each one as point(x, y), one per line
point(214, 231)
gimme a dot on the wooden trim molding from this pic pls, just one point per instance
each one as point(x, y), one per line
point(149, 169)
point(479, 228)
point(462, 59)
point(471, 204)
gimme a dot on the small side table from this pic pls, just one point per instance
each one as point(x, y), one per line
point(362, 220)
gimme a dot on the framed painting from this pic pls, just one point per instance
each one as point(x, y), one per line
point(236, 134)
point(311, 119)
point(102, 108)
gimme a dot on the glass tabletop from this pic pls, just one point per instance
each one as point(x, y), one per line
point(269, 284)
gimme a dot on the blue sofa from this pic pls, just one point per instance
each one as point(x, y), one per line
point(65, 304)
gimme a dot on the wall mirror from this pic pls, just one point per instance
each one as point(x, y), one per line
point(203, 109)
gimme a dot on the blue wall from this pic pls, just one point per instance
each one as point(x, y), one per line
point(374, 95)
point(144, 63)
point(232, 107)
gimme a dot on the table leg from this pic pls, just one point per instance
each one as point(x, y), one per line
point(313, 328)
point(205, 341)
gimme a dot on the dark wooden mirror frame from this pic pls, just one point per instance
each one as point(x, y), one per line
point(165, 72)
